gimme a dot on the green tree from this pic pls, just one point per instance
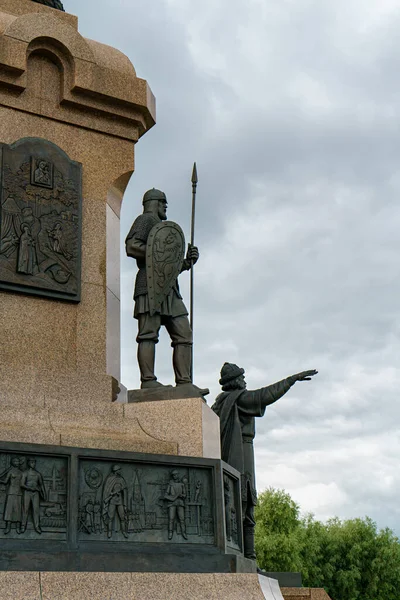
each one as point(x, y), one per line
point(277, 520)
point(351, 559)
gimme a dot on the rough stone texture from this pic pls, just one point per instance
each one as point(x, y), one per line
point(20, 586)
point(149, 586)
point(103, 429)
point(190, 423)
point(128, 586)
point(86, 98)
point(304, 593)
point(27, 6)
point(77, 411)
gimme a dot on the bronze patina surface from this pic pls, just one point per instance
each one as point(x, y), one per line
point(237, 408)
point(158, 247)
point(40, 220)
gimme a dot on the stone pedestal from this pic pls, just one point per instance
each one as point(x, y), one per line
point(129, 586)
point(79, 413)
point(189, 422)
point(85, 98)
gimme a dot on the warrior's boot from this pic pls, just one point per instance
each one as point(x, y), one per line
point(248, 542)
point(170, 531)
point(8, 528)
point(182, 361)
point(146, 358)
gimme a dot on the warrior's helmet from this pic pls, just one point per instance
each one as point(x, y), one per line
point(153, 195)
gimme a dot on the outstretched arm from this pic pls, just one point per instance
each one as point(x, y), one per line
point(274, 392)
point(255, 402)
point(304, 376)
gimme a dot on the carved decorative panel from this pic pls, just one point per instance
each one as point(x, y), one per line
point(77, 509)
point(40, 220)
point(145, 503)
point(33, 497)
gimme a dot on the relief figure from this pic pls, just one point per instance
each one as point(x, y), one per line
point(57, 241)
point(115, 501)
point(27, 257)
point(42, 174)
point(175, 496)
point(227, 499)
point(89, 516)
point(10, 227)
point(13, 507)
point(33, 490)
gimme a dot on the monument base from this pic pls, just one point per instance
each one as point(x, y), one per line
point(77, 410)
point(153, 558)
point(129, 586)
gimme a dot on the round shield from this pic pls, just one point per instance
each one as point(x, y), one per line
point(165, 253)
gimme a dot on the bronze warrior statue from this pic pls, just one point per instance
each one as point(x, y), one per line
point(158, 246)
point(52, 3)
point(237, 408)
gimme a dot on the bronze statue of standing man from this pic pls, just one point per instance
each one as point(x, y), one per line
point(158, 246)
point(237, 408)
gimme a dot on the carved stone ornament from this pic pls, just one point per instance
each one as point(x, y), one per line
point(165, 252)
point(40, 220)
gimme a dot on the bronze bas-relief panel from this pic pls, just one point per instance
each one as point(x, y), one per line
point(33, 497)
point(81, 509)
point(232, 512)
point(121, 502)
point(40, 220)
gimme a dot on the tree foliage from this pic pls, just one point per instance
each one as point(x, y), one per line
point(352, 559)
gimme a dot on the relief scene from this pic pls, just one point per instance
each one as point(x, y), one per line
point(40, 220)
point(145, 503)
point(33, 497)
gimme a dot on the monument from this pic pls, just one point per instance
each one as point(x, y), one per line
point(97, 497)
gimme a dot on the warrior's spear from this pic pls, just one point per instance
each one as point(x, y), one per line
point(194, 190)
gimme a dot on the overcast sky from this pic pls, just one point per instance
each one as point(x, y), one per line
point(291, 109)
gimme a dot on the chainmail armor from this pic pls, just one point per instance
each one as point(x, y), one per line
point(140, 230)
